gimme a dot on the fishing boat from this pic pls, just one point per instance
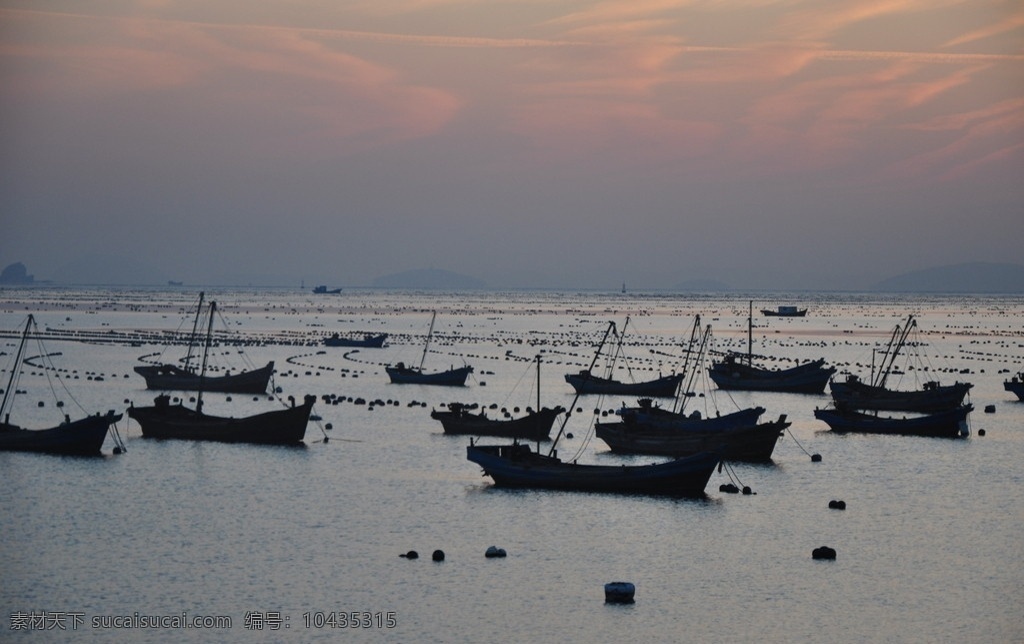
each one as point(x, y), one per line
point(853, 393)
point(784, 312)
point(586, 382)
point(323, 290)
point(951, 423)
point(1015, 385)
point(534, 426)
point(401, 374)
point(166, 377)
point(751, 443)
point(518, 466)
point(732, 373)
point(367, 341)
point(459, 419)
point(651, 415)
point(164, 420)
point(79, 437)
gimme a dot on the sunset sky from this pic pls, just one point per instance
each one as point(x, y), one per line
point(554, 143)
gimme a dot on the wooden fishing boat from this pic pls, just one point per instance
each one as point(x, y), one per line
point(585, 382)
point(401, 374)
point(751, 443)
point(853, 393)
point(534, 426)
point(785, 312)
point(79, 437)
point(951, 423)
point(1015, 385)
point(731, 373)
point(164, 420)
point(856, 394)
point(278, 427)
point(367, 341)
point(518, 466)
point(167, 377)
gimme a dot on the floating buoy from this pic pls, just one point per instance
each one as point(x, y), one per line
point(824, 552)
point(837, 505)
point(747, 490)
point(494, 552)
point(412, 554)
point(728, 488)
point(438, 555)
point(568, 435)
point(329, 426)
point(815, 458)
point(619, 592)
point(981, 432)
point(990, 409)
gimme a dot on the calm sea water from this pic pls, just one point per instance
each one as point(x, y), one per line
point(929, 547)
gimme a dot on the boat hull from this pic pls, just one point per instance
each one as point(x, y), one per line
point(535, 426)
point(808, 378)
point(407, 376)
point(944, 424)
point(282, 427)
point(587, 383)
point(854, 394)
point(169, 377)
point(517, 466)
point(753, 443)
point(81, 437)
point(656, 418)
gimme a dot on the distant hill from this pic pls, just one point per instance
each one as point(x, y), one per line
point(975, 277)
point(428, 278)
point(17, 274)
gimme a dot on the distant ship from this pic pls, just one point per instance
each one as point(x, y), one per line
point(322, 290)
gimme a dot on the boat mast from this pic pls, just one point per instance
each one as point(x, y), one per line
point(427, 345)
point(890, 357)
point(538, 397)
point(206, 352)
point(195, 327)
point(568, 414)
point(676, 407)
point(750, 335)
point(9, 392)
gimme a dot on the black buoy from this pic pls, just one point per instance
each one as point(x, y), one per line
point(747, 490)
point(990, 409)
point(494, 552)
point(412, 554)
point(815, 458)
point(837, 505)
point(619, 592)
point(728, 488)
point(824, 552)
point(981, 432)
point(438, 555)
